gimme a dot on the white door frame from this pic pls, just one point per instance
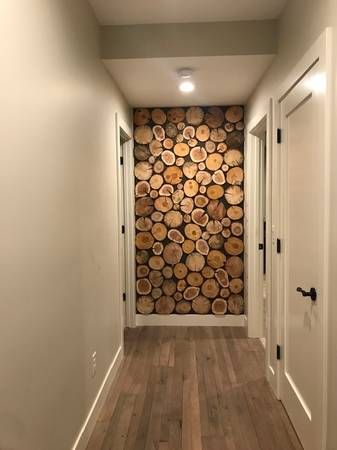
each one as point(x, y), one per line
point(124, 131)
point(253, 272)
point(321, 50)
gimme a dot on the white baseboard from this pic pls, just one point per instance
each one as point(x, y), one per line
point(90, 422)
point(191, 320)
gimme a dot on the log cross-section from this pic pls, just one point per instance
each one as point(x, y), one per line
point(189, 210)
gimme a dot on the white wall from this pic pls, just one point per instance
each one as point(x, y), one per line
point(301, 23)
point(58, 221)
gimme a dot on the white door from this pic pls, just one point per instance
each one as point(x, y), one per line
point(262, 231)
point(303, 181)
point(121, 215)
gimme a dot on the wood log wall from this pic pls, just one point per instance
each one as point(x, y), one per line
point(189, 210)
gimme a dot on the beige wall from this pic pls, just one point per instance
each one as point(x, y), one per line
point(58, 224)
point(301, 23)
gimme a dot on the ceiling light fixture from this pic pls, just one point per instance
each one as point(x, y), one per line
point(186, 83)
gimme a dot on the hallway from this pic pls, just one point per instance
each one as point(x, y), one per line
point(192, 388)
point(168, 233)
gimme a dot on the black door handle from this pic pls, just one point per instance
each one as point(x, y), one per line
point(312, 293)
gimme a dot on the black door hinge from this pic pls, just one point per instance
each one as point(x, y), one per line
point(123, 229)
point(124, 297)
point(121, 160)
point(278, 352)
point(278, 245)
point(279, 136)
point(261, 246)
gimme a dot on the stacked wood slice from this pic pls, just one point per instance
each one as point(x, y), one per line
point(189, 193)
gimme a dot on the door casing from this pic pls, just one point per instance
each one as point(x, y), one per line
point(124, 134)
point(263, 123)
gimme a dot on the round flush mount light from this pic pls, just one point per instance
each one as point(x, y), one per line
point(186, 86)
point(186, 83)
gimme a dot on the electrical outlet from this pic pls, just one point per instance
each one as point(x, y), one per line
point(93, 364)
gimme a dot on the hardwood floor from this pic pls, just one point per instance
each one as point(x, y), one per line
point(192, 388)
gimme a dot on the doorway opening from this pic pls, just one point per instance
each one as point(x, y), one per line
point(257, 228)
point(125, 218)
point(261, 135)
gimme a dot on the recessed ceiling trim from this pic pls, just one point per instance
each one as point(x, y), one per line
point(178, 40)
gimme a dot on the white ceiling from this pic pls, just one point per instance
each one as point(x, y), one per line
point(127, 12)
point(220, 80)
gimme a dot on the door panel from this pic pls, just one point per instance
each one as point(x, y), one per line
point(303, 183)
point(121, 210)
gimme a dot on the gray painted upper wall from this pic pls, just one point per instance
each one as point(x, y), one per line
point(189, 39)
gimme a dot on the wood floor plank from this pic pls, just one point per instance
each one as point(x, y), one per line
point(243, 429)
point(213, 443)
point(265, 430)
point(225, 379)
point(119, 424)
point(208, 400)
point(143, 375)
point(192, 388)
point(191, 425)
point(175, 394)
